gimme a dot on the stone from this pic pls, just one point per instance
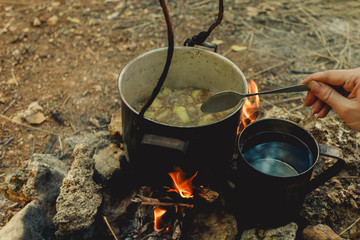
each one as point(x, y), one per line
point(79, 199)
point(36, 118)
point(320, 232)
point(115, 126)
point(36, 22)
point(33, 114)
point(28, 224)
point(107, 161)
point(287, 232)
point(214, 226)
point(52, 21)
point(98, 141)
point(40, 177)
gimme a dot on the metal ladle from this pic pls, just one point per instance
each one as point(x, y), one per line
point(227, 99)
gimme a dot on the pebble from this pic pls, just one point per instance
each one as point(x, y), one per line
point(36, 22)
point(52, 21)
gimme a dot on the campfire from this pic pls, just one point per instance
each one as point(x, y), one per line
point(182, 185)
point(170, 207)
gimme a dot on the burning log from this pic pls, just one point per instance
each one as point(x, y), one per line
point(156, 202)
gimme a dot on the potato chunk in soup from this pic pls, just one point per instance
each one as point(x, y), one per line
point(181, 107)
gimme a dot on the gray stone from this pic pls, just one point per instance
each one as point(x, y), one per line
point(107, 160)
point(320, 232)
point(79, 198)
point(98, 141)
point(287, 232)
point(40, 177)
point(28, 224)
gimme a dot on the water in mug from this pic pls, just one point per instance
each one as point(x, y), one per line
point(279, 159)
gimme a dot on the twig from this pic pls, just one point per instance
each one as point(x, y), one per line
point(21, 2)
point(253, 28)
point(156, 202)
point(60, 143)
point(343, 51)
point(266, 69)
point(66, 100)
point(348, 228)
point(168, 204)
point(196, 4)
point(347, 177)
point(13, 76)
point(4, 29)
point(29, 126)
point(51, 144)
point(320, 35)
point(8, 107)
point(295, 108)
point(8, 141)
point(294, 71)
point(33, 147)
point(286, 100)
point(4, 145)
point(112, 232)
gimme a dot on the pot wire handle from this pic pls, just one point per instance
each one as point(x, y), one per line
point(170, 53)
point(328, 151)
point(202, 36)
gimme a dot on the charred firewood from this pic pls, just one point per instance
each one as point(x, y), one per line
point(156, 202)
point(208, 194)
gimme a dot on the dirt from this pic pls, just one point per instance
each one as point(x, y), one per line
point(66, 56)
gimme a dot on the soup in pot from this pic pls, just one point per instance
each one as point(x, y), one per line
point(181, 107)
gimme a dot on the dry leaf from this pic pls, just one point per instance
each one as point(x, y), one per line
point(238, 48)
point(217, 41)
point(32, 115)
point(252, 11)
point(265, 7)
point(73, 20)
point(36, 118)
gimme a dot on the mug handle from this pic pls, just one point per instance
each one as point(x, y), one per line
point(320, 179)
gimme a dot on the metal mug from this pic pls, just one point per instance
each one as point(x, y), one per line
point(273, 172)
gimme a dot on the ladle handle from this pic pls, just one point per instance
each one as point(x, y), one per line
point(326, 175)
point(296, 88)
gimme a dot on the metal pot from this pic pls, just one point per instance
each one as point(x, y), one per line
point(154, 147)
point(274, 171)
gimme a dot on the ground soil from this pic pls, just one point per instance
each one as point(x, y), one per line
point(69, 64)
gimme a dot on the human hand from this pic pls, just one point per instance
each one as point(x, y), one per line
point(323, 97)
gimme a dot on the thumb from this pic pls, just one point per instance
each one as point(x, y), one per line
point(328, 95)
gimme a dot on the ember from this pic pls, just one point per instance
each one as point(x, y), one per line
point(182, 185)
point(250, 109)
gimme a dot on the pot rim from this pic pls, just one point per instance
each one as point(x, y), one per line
point(281, 120)
point(133, 60)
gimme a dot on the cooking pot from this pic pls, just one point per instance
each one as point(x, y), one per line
point(154, 148)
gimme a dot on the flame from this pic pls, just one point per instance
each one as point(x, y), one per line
point(158, 213)
point(182, 185)
point(250, 109)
